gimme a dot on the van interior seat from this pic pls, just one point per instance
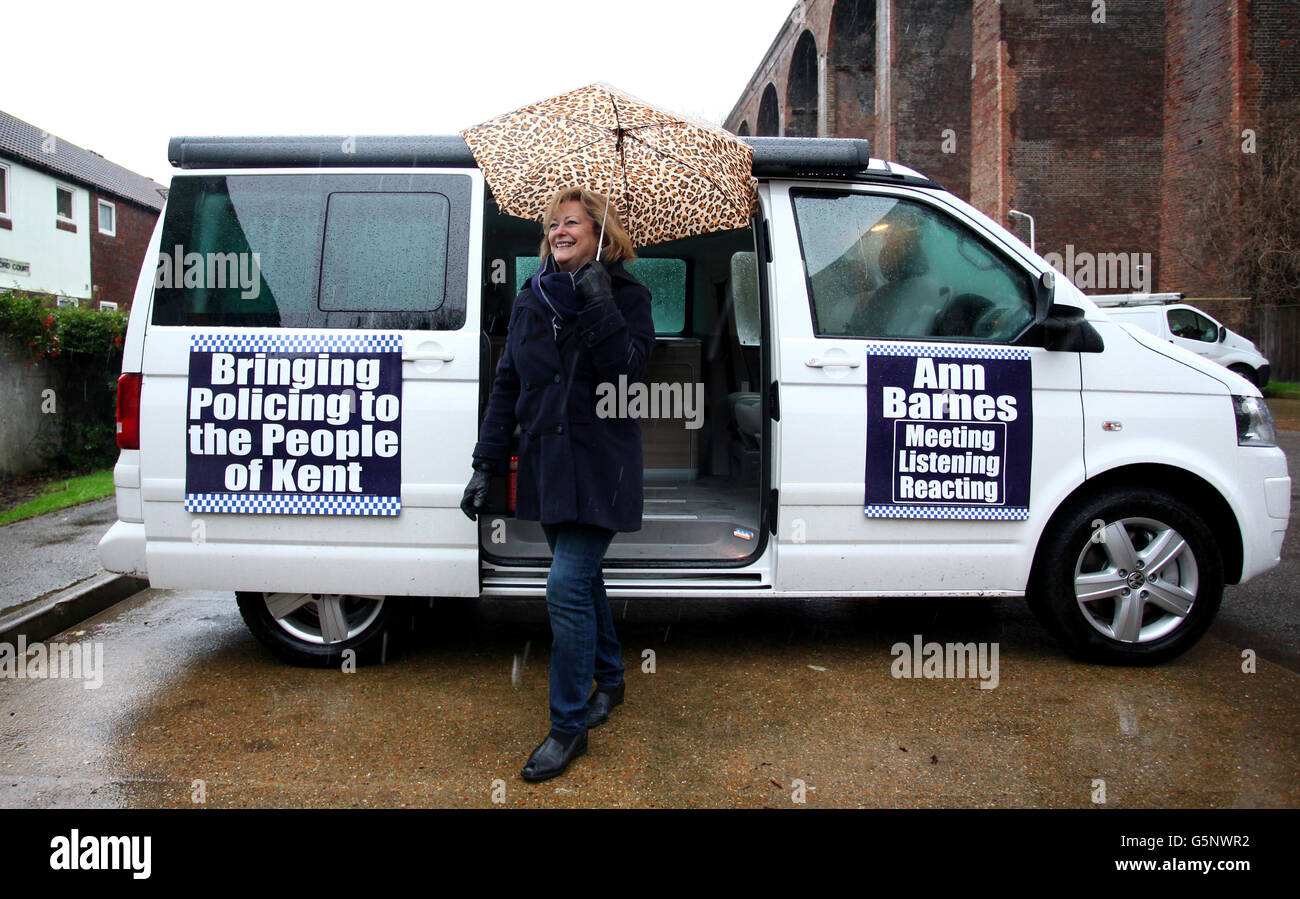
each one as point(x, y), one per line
point(742, 290)
point(909, 301)
point(746, 412)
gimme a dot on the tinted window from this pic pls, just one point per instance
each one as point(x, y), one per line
point(384, 251)
point(883, 267)
point(332, 251)
point(664, 278)
point(1192, 325)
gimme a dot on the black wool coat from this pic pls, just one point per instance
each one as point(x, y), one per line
point(574, 466)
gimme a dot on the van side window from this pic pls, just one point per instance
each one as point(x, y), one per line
point(314, 251)
point(1191, 325)
point(384, 251)
point(665, 278)
point(879, 266)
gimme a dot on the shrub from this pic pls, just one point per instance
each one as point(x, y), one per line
point(84, 347)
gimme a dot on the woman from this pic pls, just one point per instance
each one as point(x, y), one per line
point(579, 322)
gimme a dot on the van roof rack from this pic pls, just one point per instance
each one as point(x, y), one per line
point(1136, 299)
point(831, 158)
point(396, 151)
point(798, 157)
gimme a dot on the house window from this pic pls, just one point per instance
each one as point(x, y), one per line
point(66, 301)
point(106, 305)
point(107, 218)
point(4, 190)
point(63, 203)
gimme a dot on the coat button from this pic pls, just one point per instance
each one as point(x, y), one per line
point(528, 385)
point(560, 429)
point(557, 379)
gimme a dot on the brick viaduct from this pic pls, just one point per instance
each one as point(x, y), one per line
point(1103, 119)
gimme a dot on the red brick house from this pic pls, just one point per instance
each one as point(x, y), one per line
point(72, 224)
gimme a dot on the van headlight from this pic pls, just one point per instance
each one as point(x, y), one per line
point(1254, 422)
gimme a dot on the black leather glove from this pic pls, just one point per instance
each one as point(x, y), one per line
point(594, 286)
point(475, 498)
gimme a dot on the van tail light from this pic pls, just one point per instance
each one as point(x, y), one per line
point(512, 485)
point(128, 411)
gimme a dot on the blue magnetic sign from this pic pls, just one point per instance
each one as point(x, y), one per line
point(949, 432)
point(296, 424)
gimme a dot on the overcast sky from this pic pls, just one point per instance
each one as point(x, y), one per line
point(120, 78)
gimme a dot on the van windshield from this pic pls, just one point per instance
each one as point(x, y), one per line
point(299, 250)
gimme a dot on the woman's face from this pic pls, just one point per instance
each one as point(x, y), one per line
point(572, 235)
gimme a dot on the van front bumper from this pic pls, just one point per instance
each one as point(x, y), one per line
point(121, 550)
point(1264, 527)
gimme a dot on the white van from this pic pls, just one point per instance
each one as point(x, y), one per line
point(874, 390)
point(1186, 326)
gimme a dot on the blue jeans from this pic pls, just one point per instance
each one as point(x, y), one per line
point(583, 645)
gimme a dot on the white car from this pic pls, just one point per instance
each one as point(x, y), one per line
point(1190, 328)
point(899, 399)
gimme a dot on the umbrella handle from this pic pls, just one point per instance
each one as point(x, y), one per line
point(600, 241)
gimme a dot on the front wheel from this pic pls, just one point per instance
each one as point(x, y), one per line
point(1248, 373)
point(1129, 576)
point(317, 629)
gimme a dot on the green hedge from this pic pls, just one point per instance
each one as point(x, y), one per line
point(84, 348)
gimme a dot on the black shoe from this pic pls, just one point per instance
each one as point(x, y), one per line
point(553, 756)
point(601, 704)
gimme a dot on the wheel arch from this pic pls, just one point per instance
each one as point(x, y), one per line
point(1191, 489)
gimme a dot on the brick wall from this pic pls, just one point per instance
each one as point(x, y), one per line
point(931, 90)
point(992, 97)
point(1087, 124)
point(851, 69)
point(1201, 121)
point(115, 260)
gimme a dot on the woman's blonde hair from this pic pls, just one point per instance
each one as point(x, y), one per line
point(617, 246)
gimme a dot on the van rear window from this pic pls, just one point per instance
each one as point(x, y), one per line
point(314, 251)
point(665, 278)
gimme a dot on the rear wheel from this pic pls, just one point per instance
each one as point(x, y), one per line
point(1128, 576)
point(317, 629)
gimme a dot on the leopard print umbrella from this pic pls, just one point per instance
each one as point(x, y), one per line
point(669, 177)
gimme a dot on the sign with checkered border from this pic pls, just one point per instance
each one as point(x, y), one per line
point(949, 432)
point(294, 424)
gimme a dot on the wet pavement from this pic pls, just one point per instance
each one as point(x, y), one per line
point(43, 555)
point(750, 704)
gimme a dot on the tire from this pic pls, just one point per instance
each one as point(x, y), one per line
point(1151, 600)
point(1248, 373)
point(291, 626)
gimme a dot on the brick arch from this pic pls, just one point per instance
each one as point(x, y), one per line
point(769, 113)
point(851, 59)
point(802, 96)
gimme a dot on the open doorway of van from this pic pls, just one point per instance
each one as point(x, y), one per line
point(701, 400)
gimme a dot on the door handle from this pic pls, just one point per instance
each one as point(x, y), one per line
point(428, 357)
point(818, 362)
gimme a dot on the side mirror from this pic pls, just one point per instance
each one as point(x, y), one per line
point(1066, 331)
point(1044, 293)
point(1223, 333)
